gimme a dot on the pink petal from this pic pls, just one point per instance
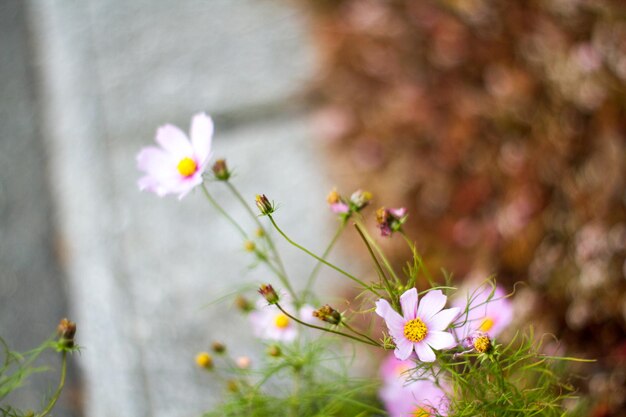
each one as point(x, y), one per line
point(404, 348)
point(339, 208)
point(424, 352)
point(174, 141)
point(395, 322)
point(154, 161)
point(431, 304)
point(398, 212)
point(440, 340)
point(201, 137)
point(408, 301)
point(442, 320)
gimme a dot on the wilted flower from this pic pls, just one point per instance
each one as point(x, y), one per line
point(403, 397)
point(176, 167)
point(488, 313)
point(390, 220)
point(328, 314)
point(421, 328)
point(204, 360)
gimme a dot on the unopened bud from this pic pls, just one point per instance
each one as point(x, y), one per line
point(333, 197)
point(274, 351)
point(221, 170)
point(218, 347)
point(260, 232)
point(66, 331)
point(328, 314)
point(264, 204)
point(268, 292)
point(390, 220)
point(243, 304)
point(232, 386)
point(204, 360)
point(360, 199)
point(249, 246)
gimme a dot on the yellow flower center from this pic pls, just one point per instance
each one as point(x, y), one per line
point(187, 167)
point(415, 330)
point(420, 412)
point(486, 324)
point(482, 344)
point(281, 321)
point(204, 360)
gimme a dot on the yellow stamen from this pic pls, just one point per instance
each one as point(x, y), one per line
point(415, 330)
point(187, 167)
point(482, 344)
point(281, 321)
point(486, 325)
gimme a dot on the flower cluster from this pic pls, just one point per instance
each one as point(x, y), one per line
point(345, 208)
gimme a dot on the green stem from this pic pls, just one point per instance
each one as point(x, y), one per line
point(315, 271)
point(56, 395)
point(336, 268)
point(353, 330)
point(379, 251)
point(281, 276)
point(266, 235)
point(417, 257)
point(324, 329)
point(224, 213)
point(379, 269)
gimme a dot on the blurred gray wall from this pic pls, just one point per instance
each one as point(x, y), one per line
point(85, 84)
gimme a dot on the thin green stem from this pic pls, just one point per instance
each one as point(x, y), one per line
point(336, 268)
point(379, 251)
point(417, 257)
point(57, 393)
point(318, 265)
point(379, 269)
point(223, 212)
point(324, 329)
point(281, 276)
point(353, 330)
point(266, 235)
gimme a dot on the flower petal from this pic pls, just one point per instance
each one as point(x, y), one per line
point(431, 304)
point(174, 141)
point(404, 348)
point(201, 137)
point(440, 340)
point(394, 321)
point(442, 320)
point(408, 301)
point(424, 352)
point(155, 161)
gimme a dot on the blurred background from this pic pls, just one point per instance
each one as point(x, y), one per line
point(499, 124)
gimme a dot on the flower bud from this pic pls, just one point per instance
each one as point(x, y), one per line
point(333, 197)
point(66, 331)
point(218, 347)
point(328, 314)
point(390, 220)
point(221, 170)
point(249, 246)
point(264, 204)
point(243, 362)
point(360, 199)
point(260, 232)
point(243, 304)
point(268, 292)
point(274, 351)
point(204, 360)
point(482, 344)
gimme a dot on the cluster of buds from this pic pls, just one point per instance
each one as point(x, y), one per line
point(328, 314)
point(220, 170)
point(390, 220)
point(357, 202)
point(265, 206)
point(268, 292)
point(66, 331)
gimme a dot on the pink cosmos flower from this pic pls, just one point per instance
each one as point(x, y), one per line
point(403, 397)
point(421, 327)
point(486, 313)
point(176, 167)
point(268, 322)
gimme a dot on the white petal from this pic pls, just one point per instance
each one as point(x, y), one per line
point(431, 304)
point(394, 321)
point(404, 348)
point(201, 136)
point(440, 340)
point(424, 352)
point(408, 301)
point(442, 320)
point(174, 141)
